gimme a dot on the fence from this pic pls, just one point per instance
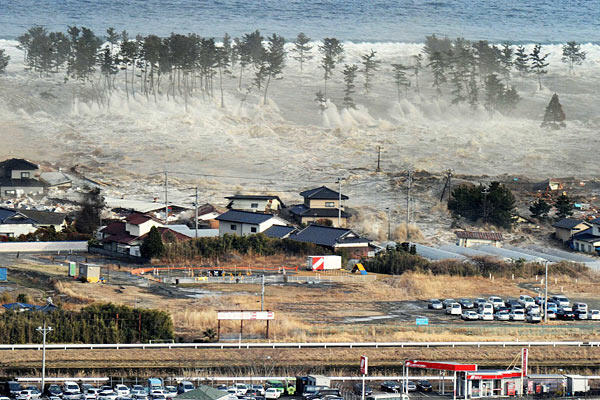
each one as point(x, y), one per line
point(43, 247)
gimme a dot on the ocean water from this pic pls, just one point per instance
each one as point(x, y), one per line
point(545, 21)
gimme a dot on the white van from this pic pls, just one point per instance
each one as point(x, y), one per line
point(388, 396)
point(526, 300)
point(454, 309)
point(70, 386)
point(485, 307)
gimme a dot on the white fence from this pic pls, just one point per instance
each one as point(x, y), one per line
point(293, 345)
point(43, 247)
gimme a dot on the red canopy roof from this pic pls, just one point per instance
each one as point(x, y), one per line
point(445, 366)
point(483, 374)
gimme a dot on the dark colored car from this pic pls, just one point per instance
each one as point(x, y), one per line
point(13, 388)
point(466, 303)
point(565, 315)
point(390, 386)
point(53, 390)
point(424, 386)
point(358, 389)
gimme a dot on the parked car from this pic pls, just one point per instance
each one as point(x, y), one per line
point(594, 314)
point(512, 303)
point(551, 306)
point(539, 300)
point(13, 388)
point(53, 390)
point(170, 391)
point(72, 387)
point(486, 316)
point(27, 394)
point(424, 386)
point(502, 315)
point(240, 389)
point(551, 314)
point(496, 302)
point(580, 307)
point(485, 307)
point(390, 386)
point(186, 386)
point(534, 317)
point(272, 393)
point(158, 396)
point(357, 387)
point(260, 389)
point(222, 387)
point(565, 315)
point(560, 300)
point(466, 303)
point(122, 390)
point(517, 315)
point(446, 302)
point(525, 300)
point(469, 315)
point(533, 309)
point(72, 396)
point(85, 386)
point(478, 301)
point(581, 315)
point(454, 309)
point(410, 386)
point(435, 304)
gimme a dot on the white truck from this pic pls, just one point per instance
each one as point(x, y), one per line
point(322, 263)
point(318, 380)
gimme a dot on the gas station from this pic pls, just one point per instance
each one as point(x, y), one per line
point(470, 382)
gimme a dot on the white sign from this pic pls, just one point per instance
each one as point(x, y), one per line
point(364, 365)
point(246, 315)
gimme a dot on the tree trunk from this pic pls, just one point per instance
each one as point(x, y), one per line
point(240, 80)
point(266, 88)
point(221, 87)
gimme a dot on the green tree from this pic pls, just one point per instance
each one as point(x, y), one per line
point(274, 60)
point(572, 54)
point(538, 63)
point(493, 204)
point(506, 60)
point(370, 66)
point(302, 49)
point(333, 53)
point(4, 59)
point(152, 246)
point(349, 76)
point(521, 62)
point(494, 90)
point(400, 79)
point(554, 117)
point(539, 209)
point(417, 67)
point(438, 67)
point(563, 206)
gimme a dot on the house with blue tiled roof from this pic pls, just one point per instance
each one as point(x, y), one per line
point(588, 240)
point(321, 204)
point(242, 223)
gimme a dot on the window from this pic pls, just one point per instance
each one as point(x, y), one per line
point(24, 175)
point(329, 204)
point(233, 227)
point(10, 192)
point(254, 205)
point(253, 229)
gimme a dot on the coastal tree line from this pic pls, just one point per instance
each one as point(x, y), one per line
point(475, 73)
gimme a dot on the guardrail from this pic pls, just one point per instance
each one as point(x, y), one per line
point(291, 345)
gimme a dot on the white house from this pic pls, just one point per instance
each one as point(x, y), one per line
point(255, 203)
point(138, 224)
point(242, 223)
point(588, 241)
point(15, 224)
point(19, 177)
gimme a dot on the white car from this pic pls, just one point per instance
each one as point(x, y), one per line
point(581, 307)
point(272, 393)
point(28, 394)
point(517, 315)
point(562, 301)
point(71, 396)
point(122, 390)
point(469, 315)
point(496, 302)
point(526, 300)
point(594, 314)
point(454, 309)
point(534, 309)
point(486, 316)
point(240, 389)
point(70, 386)
point(485, 307)
point(260, 388)
point(534, 317)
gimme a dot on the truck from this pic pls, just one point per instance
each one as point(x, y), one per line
point(322, 263)
point(577, 384)
point(318, 380)
point(154, 384)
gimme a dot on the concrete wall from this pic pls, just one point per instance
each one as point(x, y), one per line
point(334, 221)
point(323, 204)
point(16, 230)
point(585, 246)
point(261, 205)
point(40, 247)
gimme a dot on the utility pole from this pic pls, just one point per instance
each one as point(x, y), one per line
point(546, 295)
point(339, 180)
point(389, 215)
point(196, 204)
point(262, 295)
point(378, 159)
point(166, 197)
point(485, 192)
point(408, 200)
point(44, 331)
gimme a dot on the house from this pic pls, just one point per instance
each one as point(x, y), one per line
point(204, 392)
point(46, 218)
point(242, 223)
point(472, 238)
point(279, 231)
point(207, 216)
point(251, 202)
point(567, 227)
point(588, 240)
point(19, 177)
point(15, 224)
point(56, 179)
point(321, 204)
point(336, 239)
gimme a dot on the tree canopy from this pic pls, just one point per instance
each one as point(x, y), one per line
point(493, 204)
point(554, 117)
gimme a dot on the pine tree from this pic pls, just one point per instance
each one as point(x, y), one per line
point(370, 65)
point(152, 246)
point(506, 59)
point(437, 66)
point(473, 90)
point(112, 37)
point(4, 59)
point(539, 209)
point(274, 60)
point(417, 67)
point(521, 61)
point(494, 89)
point(538, 63)
point(223, 64)
point(302, 49)
point(554, 117)
point(333, 53)
point(349, 76)
point(400, 79)
point(572, 54)
point(563, 206)
point(321, 100)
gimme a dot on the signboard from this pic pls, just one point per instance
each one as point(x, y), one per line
point(3, 274)
point(524, 361)
point(364, 365)
point(422, 321)
point(245, 315)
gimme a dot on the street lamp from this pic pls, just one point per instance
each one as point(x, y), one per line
point(546, 295)
point(389, 216)
point(44, 331)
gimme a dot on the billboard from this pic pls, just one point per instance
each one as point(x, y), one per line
point(364, 365)
point(245, 315)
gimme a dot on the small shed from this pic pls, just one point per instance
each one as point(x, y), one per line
point(89, 272)
point(473, 238)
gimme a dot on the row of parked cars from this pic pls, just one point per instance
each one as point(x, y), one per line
point(245, 391)
point(525, 308)
point(74, 391)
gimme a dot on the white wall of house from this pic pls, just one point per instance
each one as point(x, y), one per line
point(12, 191)
point(141, 229)
point(596, 229)
point(241, 229)
point(475, 242)
point(255, 205)
point(16, 230)
point(318, 203)
point(26, 173)
point(585, 247)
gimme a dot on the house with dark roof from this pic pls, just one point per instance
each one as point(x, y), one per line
point(586, 241)
point(17, 222)
point(255, 203)
point(19, 177)
point(242, 223)
point(336, 239)
point(279, 231)
point(474, 238)
point(46, 218)
point(321, 204)
point(567, 227)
